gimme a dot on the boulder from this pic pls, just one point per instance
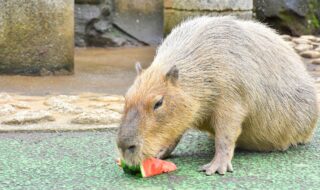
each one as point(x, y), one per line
point(294, 17)
point(94, 25)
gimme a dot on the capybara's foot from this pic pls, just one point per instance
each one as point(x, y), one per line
point(219, 165)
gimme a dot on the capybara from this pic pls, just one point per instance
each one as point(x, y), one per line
point(236, 79)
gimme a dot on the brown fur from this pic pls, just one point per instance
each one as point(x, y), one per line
point(236, 79)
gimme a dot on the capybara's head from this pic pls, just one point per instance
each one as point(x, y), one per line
point(156, 114)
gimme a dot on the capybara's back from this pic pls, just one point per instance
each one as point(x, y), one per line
point(222, 60)
point(236, 79)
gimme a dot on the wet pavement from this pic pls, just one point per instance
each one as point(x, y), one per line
point(85, 160)
point(96, 71)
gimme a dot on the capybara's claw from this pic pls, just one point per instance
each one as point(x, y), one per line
point(217, 167)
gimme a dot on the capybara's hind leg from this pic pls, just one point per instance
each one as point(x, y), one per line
point(227, 127)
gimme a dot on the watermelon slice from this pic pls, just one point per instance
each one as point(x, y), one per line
point(149, 167)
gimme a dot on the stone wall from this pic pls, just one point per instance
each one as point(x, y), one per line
point(178, 10)
point(36, 37)
point(109, 23)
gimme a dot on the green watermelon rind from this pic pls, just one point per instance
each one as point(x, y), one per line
point(143, 173)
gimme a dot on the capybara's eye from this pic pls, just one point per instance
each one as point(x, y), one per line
point(158, 104)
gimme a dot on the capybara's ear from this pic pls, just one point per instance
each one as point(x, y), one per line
point(173, 74)
point(138, 68)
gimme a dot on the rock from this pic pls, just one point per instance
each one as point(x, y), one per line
point(111, 98)
point(221, 5)
point(88, 1)
point(112, 38)
point(21, 105)
point(317, 39)
point(316, 62)
point(36, 35)
point(62, 104)
point(317, 48)
point(294, 17)
point(309, 37)
point(52, 101)
point(29, 117)
point(84, 14)
point(291, 43)
point(286, 37)
point(94, 26)
point(6, 109)
point(45, 72)
point(300, 41)
point(100, 117)
point(62, 72)
point(303, 47)
point(311, 54)
point(141, 19)
point(116, 107)
point(177, 11)
point(64, 107)
point(102, 26)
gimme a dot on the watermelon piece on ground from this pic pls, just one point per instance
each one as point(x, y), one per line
point(152, 166)
point(149, 167)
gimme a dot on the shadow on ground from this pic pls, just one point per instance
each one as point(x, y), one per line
point(85, 160)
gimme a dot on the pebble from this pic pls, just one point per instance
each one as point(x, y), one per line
point(97, 117)
point(29, 117)
point(308, 37)
point(317, 48)
point(6, 109)
point(286, 37)
point(64, 107)
point(291, 43)
point(62, 104)
point(52, 101)
point(316, 61)
point(21, 105)
point(311, 54)
point(303, 47)
point(317, 39)
point(300, 41)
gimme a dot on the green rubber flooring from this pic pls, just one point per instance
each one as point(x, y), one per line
point(85, 160)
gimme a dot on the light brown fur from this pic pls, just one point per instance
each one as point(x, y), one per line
point(236, 79)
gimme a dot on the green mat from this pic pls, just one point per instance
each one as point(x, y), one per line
point(85, 160)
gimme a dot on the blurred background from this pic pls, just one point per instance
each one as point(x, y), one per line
point(114, 23)
point(37, 37)
point(74, 59)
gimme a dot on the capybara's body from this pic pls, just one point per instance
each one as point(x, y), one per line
point(237, 80)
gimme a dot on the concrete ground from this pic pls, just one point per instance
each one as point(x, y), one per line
point(85, 160)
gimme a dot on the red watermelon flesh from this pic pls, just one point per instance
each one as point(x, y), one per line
point(152, 166)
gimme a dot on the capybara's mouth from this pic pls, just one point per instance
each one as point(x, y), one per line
point(132, 159)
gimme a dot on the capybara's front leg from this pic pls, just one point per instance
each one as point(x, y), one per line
point(227, 127)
